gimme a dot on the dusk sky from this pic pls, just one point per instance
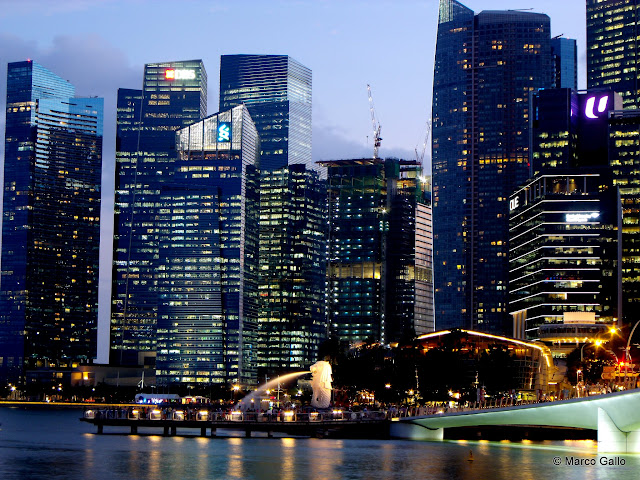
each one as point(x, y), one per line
point(101, 45)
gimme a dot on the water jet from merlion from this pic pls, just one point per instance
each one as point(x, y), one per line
point(320, 384)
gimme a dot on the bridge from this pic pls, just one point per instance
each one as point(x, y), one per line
point(616, 417)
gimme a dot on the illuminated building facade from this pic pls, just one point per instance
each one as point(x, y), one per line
point(612, 48)
point(51, 223)
point(532, 362)
point(624, 151)
point(174, 95)
point(277, 91)
point(207, 232)
point(424, 319)
point(486, 66)
point(409, 253)
point(372, 290)
point(613, 54)
point(564, 257)
point(293, 223)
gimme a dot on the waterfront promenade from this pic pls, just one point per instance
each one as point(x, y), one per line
point(333, 423)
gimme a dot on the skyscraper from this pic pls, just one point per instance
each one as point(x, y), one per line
point(51, 222)
point(277, 91)
point(293, 220)
point(174, 95)
point(208, 255)
point(624, 151)
point(565, 59)
point(613, 53)
point(486, 66)
point(378, 276)
point(564, 255)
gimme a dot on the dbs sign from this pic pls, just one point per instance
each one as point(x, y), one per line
point(179, 74)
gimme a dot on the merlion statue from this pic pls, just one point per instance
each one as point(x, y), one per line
point(321, 384)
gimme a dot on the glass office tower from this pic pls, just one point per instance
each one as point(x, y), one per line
point(624, 152)
point(293, 219)
point(51, 223)
point(174, 95)
point(564, 255)
point(377, 277)
point(277, 91)
point(208, 255)
point(565, 223)
point(565, 59)
point(613, 52)
point(486, 66)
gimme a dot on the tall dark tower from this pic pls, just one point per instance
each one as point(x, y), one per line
point(379, 265)
point(486, 66)
point(174, 95)
point(51, 223)
point(276, 90)
point(613, 53)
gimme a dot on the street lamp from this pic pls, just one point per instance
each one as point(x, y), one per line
point(234, 390)
point(597, 343)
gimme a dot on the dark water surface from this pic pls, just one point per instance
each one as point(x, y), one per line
point(54, 444)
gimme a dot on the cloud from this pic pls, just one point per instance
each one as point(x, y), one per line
point(330, 144)
point(96, 68)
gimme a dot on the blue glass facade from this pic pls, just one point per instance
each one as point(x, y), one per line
point(174, 95)
point(208, 255)
point(51, 222)
point(486, 65)
point(277, 91)
point(565, 59)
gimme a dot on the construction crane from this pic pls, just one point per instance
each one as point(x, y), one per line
point(420, 156)
point(376, 125)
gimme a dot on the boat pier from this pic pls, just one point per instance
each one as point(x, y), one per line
point(334, 424)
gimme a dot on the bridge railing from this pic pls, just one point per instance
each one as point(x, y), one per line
point(213, 416)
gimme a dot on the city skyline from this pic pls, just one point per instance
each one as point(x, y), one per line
point(77, 40)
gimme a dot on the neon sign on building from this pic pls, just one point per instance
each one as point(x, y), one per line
point(174, 74)
point(580, 217)
point(224, 132)
point(590, 106)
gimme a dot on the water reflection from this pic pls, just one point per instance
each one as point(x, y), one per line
point(153, 465)
point(288, 469)
point(235, 466)
point(56, 445)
